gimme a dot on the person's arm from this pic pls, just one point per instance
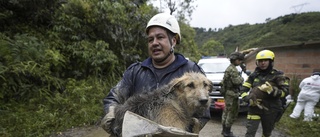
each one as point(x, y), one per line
point(121, 91)
point(281, 90)
point(117, 95)
point(245, 88)
point(301, 84)
point(236, 79)
point(111, 98)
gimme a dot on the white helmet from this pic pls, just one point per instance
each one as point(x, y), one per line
point(167, 21)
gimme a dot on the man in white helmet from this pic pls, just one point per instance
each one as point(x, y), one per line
point(163, 65)
point(308, 97)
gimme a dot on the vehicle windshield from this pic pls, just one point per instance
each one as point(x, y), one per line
point(214, 67)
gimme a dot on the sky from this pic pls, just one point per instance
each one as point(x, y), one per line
point(222, 13)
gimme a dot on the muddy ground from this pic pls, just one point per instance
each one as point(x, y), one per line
point(212, 129)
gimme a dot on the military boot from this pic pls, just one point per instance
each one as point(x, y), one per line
point(227, 132)
point(223, 129)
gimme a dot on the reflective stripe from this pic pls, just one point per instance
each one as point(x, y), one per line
point(254, 117)
point(247, 84)
point(244, 94)
point(283, 94)
point(257, 80)
point(286, 82)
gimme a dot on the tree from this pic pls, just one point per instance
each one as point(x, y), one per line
point(188, 46)
point(212, 48)
point(183, 8)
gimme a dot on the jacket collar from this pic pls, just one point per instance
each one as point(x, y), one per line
point(180, 60)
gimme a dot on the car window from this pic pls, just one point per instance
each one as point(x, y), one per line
point(214, 67)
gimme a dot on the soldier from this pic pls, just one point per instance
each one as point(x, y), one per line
point(264, 72)
point(232, 81)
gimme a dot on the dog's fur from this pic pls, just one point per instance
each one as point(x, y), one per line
point(256, 94)
point(172, 105)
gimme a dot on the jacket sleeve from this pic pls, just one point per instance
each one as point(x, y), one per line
point(195, 67)
point(119, 93)
point(236, 79)
point(110, 99)
point(281, 90)
point(302, 84)
point(247, 85)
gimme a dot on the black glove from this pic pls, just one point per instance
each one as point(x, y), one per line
point(243, 67)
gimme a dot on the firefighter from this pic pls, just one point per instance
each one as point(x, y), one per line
point(275, 100)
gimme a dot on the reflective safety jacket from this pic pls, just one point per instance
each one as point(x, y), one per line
point(274, 100)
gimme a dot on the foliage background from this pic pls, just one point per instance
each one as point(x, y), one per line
point(59, 59)
point(284, 30)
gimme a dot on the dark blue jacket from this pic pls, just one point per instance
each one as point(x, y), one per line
point(141, 77)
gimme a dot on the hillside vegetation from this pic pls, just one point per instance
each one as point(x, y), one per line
point(284, 30)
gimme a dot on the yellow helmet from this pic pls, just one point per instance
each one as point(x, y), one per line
point(265, 54)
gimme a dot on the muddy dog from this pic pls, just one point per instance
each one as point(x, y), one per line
point(172, 105)
point(256, 96)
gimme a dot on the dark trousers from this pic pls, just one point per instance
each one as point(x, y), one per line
point(267, 122)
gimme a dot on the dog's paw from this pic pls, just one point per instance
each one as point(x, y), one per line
point(259, 106)
point(196, 125)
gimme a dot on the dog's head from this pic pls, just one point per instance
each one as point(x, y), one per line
point(193, 88)
point(280, 80)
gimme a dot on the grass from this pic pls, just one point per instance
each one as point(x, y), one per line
point(298, 127)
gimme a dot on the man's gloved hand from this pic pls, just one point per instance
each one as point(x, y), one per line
point(107, 120)
point(243, 67)
point(266, 87)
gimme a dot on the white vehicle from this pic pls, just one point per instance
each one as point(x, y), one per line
point(214, 68)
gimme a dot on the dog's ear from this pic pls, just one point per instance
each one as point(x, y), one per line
point(284, 80)
point(174, 85)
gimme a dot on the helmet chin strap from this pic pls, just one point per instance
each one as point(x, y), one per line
point(171, 49)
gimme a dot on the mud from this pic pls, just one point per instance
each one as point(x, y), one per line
point(212, 129)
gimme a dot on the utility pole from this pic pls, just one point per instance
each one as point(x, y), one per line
point(298, 8)
point(160, 6)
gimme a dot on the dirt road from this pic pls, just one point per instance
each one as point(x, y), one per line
point(211, 129)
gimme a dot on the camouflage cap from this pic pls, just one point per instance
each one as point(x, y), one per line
point(236, 55)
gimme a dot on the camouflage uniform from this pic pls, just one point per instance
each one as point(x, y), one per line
point(232, 81)
point(274, 103)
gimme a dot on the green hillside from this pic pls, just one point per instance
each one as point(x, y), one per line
point(288, 29)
